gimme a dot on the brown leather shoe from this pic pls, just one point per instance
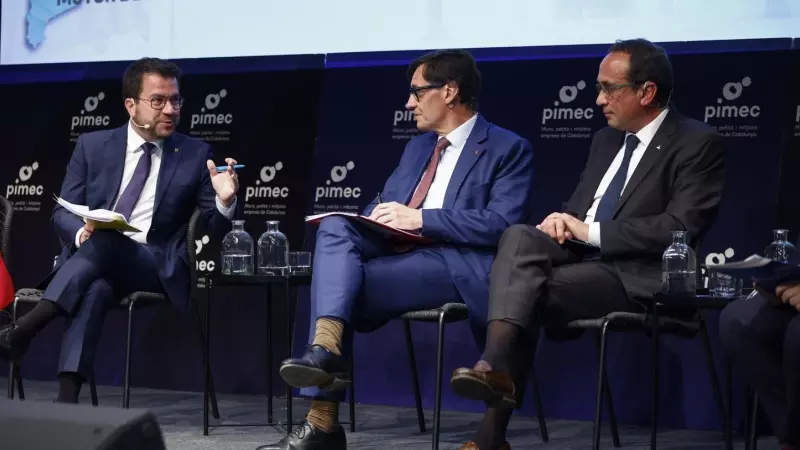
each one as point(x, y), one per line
point(495, 388)
point(472, 446)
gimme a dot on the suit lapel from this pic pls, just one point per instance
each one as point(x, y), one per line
point(418, 167)
point(116, 161)
point(170, 157)
point(655, 151)
point(472, 151)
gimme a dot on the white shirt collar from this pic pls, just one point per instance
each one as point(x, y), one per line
point(135, 141)
point(648, 132)
point(458, 137)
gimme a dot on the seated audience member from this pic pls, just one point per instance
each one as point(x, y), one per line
point(461, 184)
point(137, 171)
point(762, 336)
point(651, 172)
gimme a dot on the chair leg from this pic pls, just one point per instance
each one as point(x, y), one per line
point(752, 438)
point(612, 416)
point(11, 364)
point(414, 377)
point(537, 399)
point(11, 367)
point(126, 394)
point(352, 395)
point(93, 390)
point(656, 386)
point(18, 381)
point(598, 413)
point(712, 371)
point(212, 393)
point(437, 406)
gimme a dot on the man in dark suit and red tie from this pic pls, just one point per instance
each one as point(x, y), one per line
point(461, 184)
point(155, 178)
point(651, 172)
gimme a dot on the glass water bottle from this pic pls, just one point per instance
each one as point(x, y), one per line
point(273, 251)
point(780, 249)
point(678, 264)
point(237, 251)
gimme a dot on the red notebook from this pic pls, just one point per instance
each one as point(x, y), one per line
point(392, 233)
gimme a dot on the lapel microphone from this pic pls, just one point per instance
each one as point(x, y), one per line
point(145, 126)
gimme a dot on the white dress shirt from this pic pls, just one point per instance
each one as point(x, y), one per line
point(645, 135)
point(447, 164)
point(142, 215)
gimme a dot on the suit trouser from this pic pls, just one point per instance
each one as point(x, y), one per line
point(361, 280)
point(764, 341)
point(104, 269)
point(535, 281)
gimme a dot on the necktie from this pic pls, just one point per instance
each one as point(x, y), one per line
point(427, 177)
point(134, 189)
point(605, 210)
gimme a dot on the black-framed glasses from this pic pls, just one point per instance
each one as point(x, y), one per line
point(415, 90)
point(159, 102)
point(610, 88)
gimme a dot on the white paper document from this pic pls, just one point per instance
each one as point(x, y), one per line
point(103, 218)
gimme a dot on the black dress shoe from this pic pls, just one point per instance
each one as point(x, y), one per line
point(306, 437)
point(9, 351)
point(317, 368)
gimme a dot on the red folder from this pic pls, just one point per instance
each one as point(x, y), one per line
point(6, 286)
point(394, 234)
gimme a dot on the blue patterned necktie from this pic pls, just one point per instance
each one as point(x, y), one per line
point(134, 189)
point(605, 210)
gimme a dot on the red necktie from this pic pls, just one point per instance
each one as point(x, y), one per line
point(427, 177)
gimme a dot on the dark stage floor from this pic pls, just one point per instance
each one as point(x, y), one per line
point(378, 427)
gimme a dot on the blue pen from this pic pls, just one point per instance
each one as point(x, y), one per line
point(237, 166)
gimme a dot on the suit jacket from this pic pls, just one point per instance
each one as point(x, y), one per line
point(489, 190)
point(677, 185)
point(94, 176)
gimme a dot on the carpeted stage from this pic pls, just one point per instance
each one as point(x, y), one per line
point(377, 427)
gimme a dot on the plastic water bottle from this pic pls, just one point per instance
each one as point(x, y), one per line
point(273, 251)
point(678, 264)
point(237, 251)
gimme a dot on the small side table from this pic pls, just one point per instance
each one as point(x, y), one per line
point(289, 283)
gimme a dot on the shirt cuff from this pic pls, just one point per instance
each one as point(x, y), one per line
point(78, 237)
point(227, 211)
point(594, 234)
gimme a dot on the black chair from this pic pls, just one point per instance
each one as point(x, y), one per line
point(134, 301)
point(448, 313)
point(676, 315)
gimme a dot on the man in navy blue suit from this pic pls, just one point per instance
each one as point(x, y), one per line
point(461, 184)
point(155, 178)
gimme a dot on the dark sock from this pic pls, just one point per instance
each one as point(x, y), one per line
point(69, 387)
point(32, 323)
point(501, 337)
point(491, 433)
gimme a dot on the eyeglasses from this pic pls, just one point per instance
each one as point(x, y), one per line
point(159, 102)
point(415, 90)
point(610, 88)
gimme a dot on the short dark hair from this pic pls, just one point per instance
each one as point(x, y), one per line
point(649, 62)
point(457, 66)
point(132, 79)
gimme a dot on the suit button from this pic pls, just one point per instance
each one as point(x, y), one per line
point(152, 229)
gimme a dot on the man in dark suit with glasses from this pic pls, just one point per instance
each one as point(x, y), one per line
point(651, 172)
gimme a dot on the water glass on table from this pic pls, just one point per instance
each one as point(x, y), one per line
point(300, 262)
point(722, 285)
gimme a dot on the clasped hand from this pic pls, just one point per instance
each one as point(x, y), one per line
point(786, 293)
point(561, 226)
point(398, 216)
